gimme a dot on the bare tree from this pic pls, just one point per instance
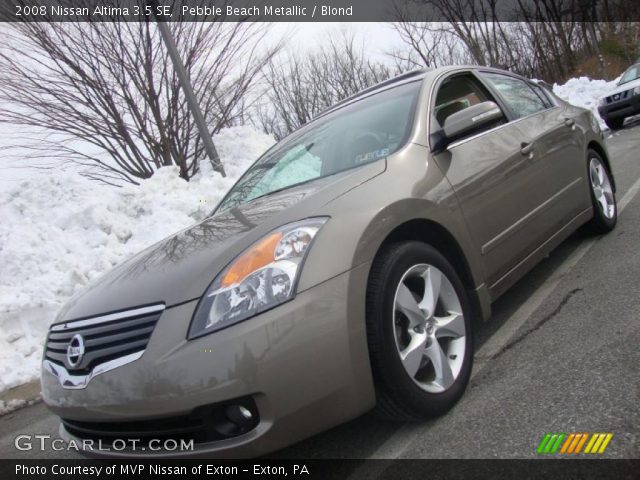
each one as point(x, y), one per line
point(109, 99)
point(299, 86)
point(549, 40)
point(430, 44)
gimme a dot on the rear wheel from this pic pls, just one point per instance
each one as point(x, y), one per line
point(603, 198)
point(614, 123)
point(419, 332)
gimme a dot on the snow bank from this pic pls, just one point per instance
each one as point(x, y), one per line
point(60, 231)
point(585, 92)
point(11, 405)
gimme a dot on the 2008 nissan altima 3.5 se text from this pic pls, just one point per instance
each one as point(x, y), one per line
point(345, 271)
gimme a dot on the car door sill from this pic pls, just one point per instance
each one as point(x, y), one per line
point(502, 236)
point(513, 275)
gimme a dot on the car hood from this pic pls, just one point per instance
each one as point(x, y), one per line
point(181, 267)
point(624, 87)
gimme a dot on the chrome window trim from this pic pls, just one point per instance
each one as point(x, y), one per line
point(513, 122)
point(56, 327)
point(76, 382)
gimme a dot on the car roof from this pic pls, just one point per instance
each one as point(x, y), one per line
point(401, 79)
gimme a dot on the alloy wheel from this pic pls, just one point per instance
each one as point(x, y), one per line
point(601, 186)
point(429, 328)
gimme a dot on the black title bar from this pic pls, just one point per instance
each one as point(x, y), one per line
point(320, 469)
point(319, 10)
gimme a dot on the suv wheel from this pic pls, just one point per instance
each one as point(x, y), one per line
point(419, 332)
point(603, 198)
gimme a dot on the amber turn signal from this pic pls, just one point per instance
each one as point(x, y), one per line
point(261, 255)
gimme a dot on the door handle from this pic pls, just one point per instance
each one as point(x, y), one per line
point(526, 149)
point(569, 122)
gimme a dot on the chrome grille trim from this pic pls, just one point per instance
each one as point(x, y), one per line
point(78, 350)
point(107, 318)
point(76, 382)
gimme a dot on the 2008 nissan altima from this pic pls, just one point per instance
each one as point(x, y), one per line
point(345, 271)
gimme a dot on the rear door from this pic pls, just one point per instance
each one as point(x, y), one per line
point(498, 176)
point(564, 147)
point(556, 142)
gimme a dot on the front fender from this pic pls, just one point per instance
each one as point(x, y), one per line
point(412, 188)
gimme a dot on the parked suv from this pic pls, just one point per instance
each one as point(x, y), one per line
point(623, 101)
point(344, 271)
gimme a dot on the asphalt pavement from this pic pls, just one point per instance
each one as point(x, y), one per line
point(561, 354)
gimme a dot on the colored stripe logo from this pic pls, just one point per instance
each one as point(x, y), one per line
point(571, 443)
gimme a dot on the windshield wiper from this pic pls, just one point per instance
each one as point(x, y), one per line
point(262, 166)
point(278, 190)
point(306, 149)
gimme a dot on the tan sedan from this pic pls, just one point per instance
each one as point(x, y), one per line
point(345, 271)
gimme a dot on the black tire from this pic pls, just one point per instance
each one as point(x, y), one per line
point(600, 223)
point(614, 123)
point(398, 396)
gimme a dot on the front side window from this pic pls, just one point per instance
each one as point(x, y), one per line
point(454, 94)
point(356, 134)
point(516, 93)
point(457, 93)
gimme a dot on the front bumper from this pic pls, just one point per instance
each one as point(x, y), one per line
point(621, 109)
point(305, 364)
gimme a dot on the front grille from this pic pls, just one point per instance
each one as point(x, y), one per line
point(104, 338)
point(620, 96)
point(204, 424)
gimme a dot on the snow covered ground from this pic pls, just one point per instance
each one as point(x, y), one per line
point(59, 231)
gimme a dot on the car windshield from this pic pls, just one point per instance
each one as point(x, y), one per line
point(356, 134)
point(631, 74)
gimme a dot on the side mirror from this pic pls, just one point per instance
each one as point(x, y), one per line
point(471, 119)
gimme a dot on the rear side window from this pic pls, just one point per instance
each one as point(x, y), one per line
point(517, 94)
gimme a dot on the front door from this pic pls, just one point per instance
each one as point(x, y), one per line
point(499, 175)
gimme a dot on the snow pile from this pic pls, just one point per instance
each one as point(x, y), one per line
point(15, 404)
point(59, 232)
point(585, 92)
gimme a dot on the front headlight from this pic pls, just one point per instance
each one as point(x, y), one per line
point(602, 101)
point(636, 91)
point(262, 277)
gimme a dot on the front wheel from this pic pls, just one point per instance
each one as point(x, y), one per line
point(419, 332)
point(603, 198)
